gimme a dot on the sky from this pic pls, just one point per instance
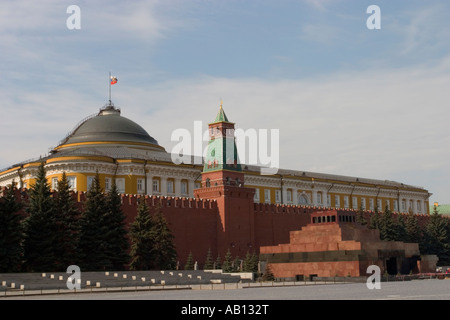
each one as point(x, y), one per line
point(346, 99)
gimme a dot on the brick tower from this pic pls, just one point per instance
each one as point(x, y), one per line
point(223, 181)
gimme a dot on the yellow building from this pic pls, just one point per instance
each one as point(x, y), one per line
point(121, 150)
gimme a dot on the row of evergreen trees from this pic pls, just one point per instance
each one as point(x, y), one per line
point(54, 233)
point(433, 236)
point(230, 264)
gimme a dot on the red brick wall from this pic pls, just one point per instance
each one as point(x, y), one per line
point(193, 222)
point(197, 223)
point(274, 222)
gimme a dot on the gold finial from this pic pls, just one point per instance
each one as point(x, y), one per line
point(221, 102)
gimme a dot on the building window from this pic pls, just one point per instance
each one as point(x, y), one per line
point(140, 185)
point(388, 205)
point(256, 197)
point(107, 184)
point(319, 198)
point(328, 200)
point(363, 203)
point(419, 206)
point(371, 207)
point(267, 195)
point(302, 199)
point(90, 180)
point(278, 196)
point(345, 201)
point(289, 195)
point(184, 187)
point(403, 205)
point(395, 205)
point(170, 188)
point(54, 183)
point(155, 185)
point(379, 205)
point(337, 201)
point(355, 203)
point(72, 183)
point(120, 184)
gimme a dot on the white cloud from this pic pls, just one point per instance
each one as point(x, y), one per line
point(422, 30)
point(320, 4)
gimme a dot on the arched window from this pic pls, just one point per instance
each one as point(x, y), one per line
point(302, 199)
point(208, 182)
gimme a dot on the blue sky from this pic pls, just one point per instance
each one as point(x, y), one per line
point(346, 99)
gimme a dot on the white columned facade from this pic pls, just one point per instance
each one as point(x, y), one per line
point(191, 187)
point(177, 187)
point(149, 182)
point(314, 197)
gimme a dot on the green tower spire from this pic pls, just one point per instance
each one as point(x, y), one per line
point(221, 116)
point(222, 151)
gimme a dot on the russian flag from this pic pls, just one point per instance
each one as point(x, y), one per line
point(113, 80)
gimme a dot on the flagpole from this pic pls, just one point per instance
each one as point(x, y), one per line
point(109, 80)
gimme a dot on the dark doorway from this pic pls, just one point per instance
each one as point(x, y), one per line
point(391, 265)
point(409, 265)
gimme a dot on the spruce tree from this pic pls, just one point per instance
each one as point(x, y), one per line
point(189, 262)
point(387, 226)
point(268, 274)
point(247, 264)
point(209, 264)
point(227, 265)
point(360, 216)
point(40, 226)
point(11, 233)
point(218, 263)
point(67, 226)
point(250, 263)
point(236, 264)
point(413, 231)
point(117, 244)
point(164, 248)
point(375, 219)
point(92, 243)
point(142, 251)
point(437, 237)
point(400, 228)
point(254, 261)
